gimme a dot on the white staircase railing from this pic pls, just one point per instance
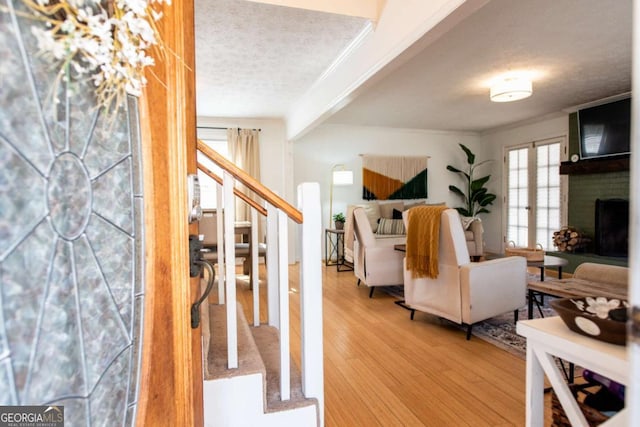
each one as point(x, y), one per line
point(230, 279)
point(283, 291)
point(220, 248)
point(278, 213)
point(311, 296)
point(272, 268)
point(254, 269)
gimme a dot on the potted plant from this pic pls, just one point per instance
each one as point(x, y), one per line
point(475, 195)
point(339, 219)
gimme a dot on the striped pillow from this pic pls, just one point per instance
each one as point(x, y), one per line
point(390, 226)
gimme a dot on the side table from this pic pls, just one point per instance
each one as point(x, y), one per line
point(550, 337)
point(334, 249)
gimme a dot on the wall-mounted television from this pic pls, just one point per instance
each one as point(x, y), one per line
point(605, 130)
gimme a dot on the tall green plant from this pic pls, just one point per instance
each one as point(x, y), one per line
point(475, 195)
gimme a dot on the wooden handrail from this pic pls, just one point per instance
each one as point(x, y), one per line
point(251, 183)
point(237, 192)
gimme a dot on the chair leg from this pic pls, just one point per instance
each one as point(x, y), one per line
point(371, 292)
point(413, 313)
point(515, 316)
point(469, 332)
point(358, 282)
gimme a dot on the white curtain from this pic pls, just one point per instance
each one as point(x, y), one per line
point(244, 151)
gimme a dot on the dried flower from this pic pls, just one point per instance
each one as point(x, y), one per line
point(108, 41)
point(599, 306)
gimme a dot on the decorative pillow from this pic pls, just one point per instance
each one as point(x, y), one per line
point(397, 214)
point(373, 213)
point(387, 207)
point(390, 226)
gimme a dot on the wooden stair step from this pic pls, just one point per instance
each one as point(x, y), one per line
point(249, 359)
point(267, 339)
point(258, 352)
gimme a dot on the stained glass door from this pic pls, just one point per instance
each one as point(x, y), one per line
point(71, 247)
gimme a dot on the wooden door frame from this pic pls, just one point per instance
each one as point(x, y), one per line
point(170, 390)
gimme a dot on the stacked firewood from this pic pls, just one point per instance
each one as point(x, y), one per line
point(569, 239)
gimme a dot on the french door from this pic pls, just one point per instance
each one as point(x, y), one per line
point(535, 196)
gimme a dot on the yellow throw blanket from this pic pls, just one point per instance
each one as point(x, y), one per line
point(423, 235)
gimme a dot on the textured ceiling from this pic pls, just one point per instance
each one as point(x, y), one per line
point(255, 60)
point(577, 50)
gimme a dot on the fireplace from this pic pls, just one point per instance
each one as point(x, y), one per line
point(612, 227)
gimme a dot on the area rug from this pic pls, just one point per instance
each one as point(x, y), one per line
point(499, 331)
point(394, 291)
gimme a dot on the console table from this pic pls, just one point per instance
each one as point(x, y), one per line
point(550, 337)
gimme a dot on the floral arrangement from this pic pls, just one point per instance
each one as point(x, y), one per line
point(107, 41)
point(599, 306)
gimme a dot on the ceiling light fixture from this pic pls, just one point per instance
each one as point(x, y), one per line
point(511, 89)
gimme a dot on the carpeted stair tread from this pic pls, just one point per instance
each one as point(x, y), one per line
point(267, 340)
point(249, 360)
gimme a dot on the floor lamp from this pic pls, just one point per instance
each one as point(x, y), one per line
point(340, 176)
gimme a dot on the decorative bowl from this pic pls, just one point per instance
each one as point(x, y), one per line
point(596, 317)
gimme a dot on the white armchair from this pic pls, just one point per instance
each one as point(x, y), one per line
point(375, 261)
point(466, 292)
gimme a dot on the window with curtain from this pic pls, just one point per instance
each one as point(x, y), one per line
point(241, 146)
point(244, 151)
point(216, 140)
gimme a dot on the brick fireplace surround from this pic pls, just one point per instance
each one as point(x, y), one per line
point(585, 187)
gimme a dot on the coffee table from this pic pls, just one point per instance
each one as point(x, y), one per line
point(573, 288)
point(549, 261)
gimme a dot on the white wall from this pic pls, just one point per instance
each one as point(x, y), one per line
point(273, 149)
point(493, 145)
point(284, 165)
point(327, 145)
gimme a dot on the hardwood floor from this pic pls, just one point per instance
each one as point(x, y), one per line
point(382, 369)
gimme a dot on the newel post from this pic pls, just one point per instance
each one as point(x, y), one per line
point(311, 295)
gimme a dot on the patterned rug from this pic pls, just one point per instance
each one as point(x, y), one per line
point(499, 331)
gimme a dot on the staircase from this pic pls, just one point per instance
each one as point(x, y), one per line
point(249, 395)
point(250, 379)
